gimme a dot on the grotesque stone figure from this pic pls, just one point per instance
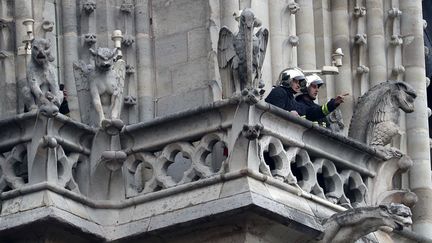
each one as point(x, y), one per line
point(353, 224)
point(43, 89)
point(376, 115)
point(106, 82)
point(241, 56)
point(106, 87)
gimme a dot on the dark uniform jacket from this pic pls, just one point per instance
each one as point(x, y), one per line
point(317, 113)
point(283, 97)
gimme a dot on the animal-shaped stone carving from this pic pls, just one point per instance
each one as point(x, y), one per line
point(353, 224)
point(376, 115)
point(106, 82)
point(241, 55)
point(43, 90)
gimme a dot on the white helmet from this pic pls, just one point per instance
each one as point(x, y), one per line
point(287, 75)
point(313, 79)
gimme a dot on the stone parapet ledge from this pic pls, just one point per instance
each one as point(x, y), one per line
point(225, 152)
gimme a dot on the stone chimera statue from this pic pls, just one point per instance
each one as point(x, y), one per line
point(43, 89)
point(106, 81)
point(376, 115)
point(241, 56)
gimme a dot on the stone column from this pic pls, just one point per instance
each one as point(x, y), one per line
point(341, 39)
point(417, 122)
point(144, 47)
point(306, 32)
point(277, 36)
point(228, 8)
point(70, 54)
point(8, 84)
point(376, 42)
point(23, 10)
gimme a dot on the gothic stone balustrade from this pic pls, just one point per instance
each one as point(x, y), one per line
point(204, 165)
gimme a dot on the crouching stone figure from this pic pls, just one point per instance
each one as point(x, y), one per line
point(42, 89)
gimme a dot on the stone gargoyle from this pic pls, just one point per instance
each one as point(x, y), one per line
point(42, 89)
point(241, 55)
point(106, 81)
point(376, 115)
point(353, 224)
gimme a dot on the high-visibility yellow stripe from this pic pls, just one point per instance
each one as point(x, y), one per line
point(324, 109)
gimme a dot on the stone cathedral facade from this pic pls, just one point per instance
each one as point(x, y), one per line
point(157, 145)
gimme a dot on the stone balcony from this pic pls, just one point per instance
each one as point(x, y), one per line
point(221, 165)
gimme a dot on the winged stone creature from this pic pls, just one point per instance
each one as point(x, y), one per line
point(106, 81)
point(241, 55)
point(376, 115)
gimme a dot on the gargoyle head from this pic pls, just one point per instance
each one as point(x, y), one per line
point(104, 57)
point(396, 216)
point(41, 51)
point(248, 19)
point(404, 96)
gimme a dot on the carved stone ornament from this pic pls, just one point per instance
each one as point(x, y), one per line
point(106, 81)
point(353, 224)
point(293, 40)
point(241, 56)
point(252, 132)
point(89, 6)
point(376, 115)
point(360, 39)
point(398, 70)
point(293, 7)
point(42, 90)
point(130, 69)
point(130, 100)
point(48, 26)
point(127, 8)
point(128, 40)
point(359, 11)
point(4, 23)
point(394, 13)
point(396, 40)
point(362, 69)
point(90, 39)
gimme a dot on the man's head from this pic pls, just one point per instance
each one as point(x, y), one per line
point(293, 78)
point(313, 83)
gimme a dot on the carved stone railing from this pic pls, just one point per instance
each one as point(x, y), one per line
point(186, 152)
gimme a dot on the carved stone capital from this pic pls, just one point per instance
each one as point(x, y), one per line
point(48, 26)
point(293, 7)
point(293, 40)
point(130, 69)
point(252, 132)
point(4, 23)
point(128, 40)
point(251, 95)
point(396, 40)
point(89, 6)
point(362, 69)
point(394, 13)
point(130, 100)
point(126, 8)
point(90, 39)
point(359, 11)
point(360, 39)
point(4, 54)
point(398, 70)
